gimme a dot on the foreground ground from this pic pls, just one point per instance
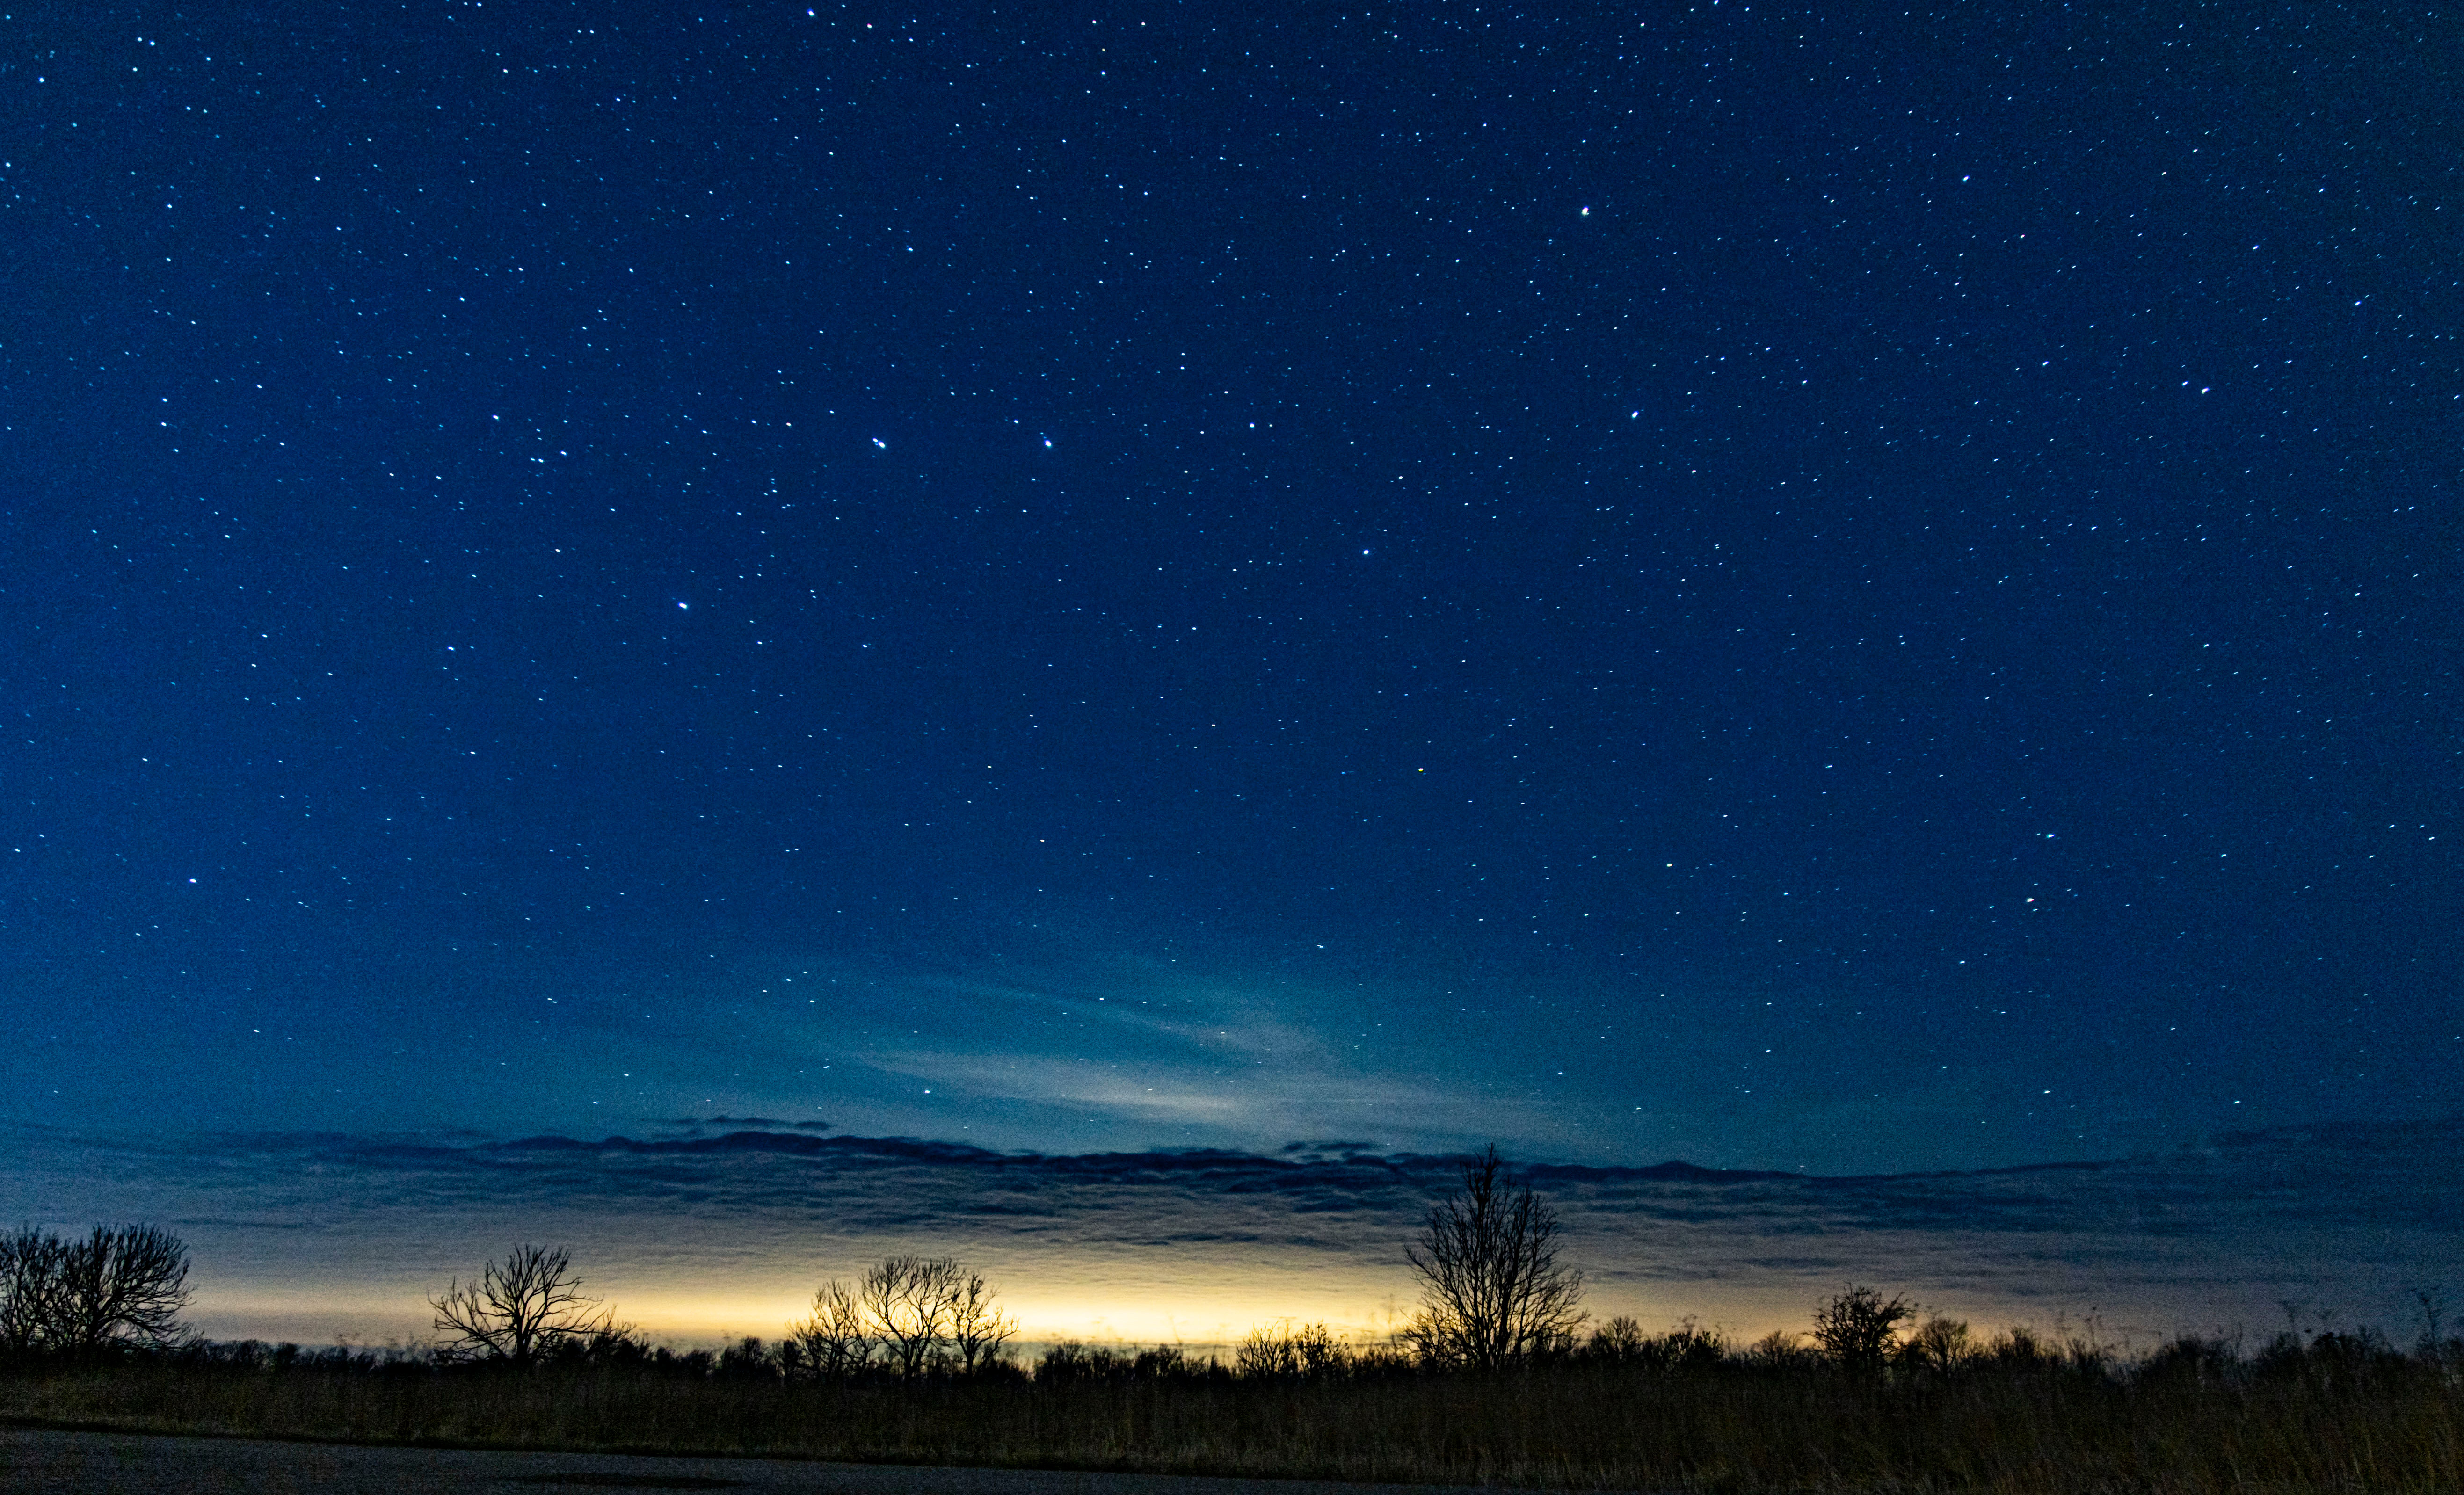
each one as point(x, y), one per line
point(2342, 1412)
point(36, 1462)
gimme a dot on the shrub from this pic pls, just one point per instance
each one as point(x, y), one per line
point(1856, 1329)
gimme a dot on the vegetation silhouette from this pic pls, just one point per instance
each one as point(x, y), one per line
point(2017, 1412)
point(835, 1342)
point(115, 1288)
point(1492, 1291)
point(908, 1316)
point(911, 1362)
point(1858, 1328)
point(1279, 1351)
point(527, 1305)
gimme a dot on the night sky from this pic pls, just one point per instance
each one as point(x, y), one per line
point(1774, 586)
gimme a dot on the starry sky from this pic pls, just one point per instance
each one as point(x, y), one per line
point(1796, 588)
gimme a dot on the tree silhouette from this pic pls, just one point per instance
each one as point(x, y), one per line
point(836, 1340)
point(1857, 1329)
point(30, 1277)
point(520, 1308)
point(977, 1327)
point(912, 1315)
point(1492, 1293)
point(123, 1287)
point(1279, 1351)
point(910, 1302)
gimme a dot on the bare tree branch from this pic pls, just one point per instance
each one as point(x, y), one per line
point(30, 1283)
point(911, 1315)
point(977, 1327)
point(1492, 1293)
point(911, 1300)
point(124, 1287)
point(837, 1340)
point(519, 1308)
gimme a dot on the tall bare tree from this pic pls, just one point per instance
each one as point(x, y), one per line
point(1492, 1291)
point(520, 1308)
point(836, 1338)
point(911, 1302)
point(117, 1286)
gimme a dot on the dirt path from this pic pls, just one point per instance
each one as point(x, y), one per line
point(41, 1463)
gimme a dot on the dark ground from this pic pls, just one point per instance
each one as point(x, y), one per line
point(40, 1462)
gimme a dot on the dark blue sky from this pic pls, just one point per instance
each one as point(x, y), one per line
point(1768, 587)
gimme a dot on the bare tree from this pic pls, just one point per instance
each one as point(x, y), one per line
point(1492, 1293)
point(123, 1287)
point(520, 1308)
point(1859, 1328)
point(977, 1327)
point(910, 1302)
point(912, 1315)
point(836, 1340)
point(30, 1280)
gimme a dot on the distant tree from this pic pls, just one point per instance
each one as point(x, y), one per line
point(978, 1328)
point(749, 1360)
point(910, 1302)
point(835, 1341)
point(115, 1288)
point(518, 1310)
point(1492, 1291)
point(1072, 1362)
point(912, 1315)
point(1778, 1351)
point(1690, 1347)
point(1279, 1351)
point(1620, 1341)
point(1857, 1329)
point(1940, 1345)
point(1687, 1346)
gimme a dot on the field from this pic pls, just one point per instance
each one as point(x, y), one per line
point(2335, 1413)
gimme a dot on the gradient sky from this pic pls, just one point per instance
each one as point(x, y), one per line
point(1781, 587)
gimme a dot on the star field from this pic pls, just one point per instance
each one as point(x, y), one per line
point(1790, 589)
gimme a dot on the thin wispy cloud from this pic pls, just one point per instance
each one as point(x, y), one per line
point(1119, 1048)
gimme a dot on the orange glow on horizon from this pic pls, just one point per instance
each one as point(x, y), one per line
point(1363, 1308)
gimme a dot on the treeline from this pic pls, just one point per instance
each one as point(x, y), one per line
point(1499, 1378)
point(1938, 1353)
point(1939, 1410)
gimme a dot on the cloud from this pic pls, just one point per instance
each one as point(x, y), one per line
point(1203, 1061)
point(1238, 1100)
point(709, 1233)
point(1219, 1062)
point(1056, 1079)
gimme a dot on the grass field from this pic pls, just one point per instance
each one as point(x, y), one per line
point(2335, 1413)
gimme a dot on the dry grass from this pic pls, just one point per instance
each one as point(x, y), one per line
point(2336, 1415)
